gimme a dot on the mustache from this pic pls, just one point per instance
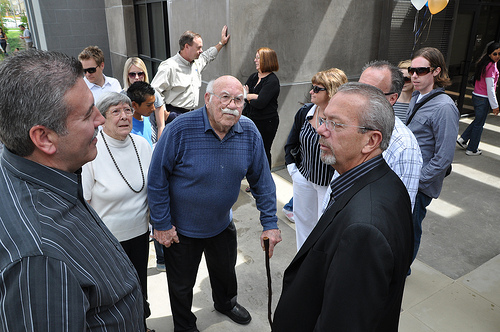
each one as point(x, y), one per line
point(230, 111)
point(96, 131)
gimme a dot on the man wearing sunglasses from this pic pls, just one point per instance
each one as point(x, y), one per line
point(92, 59)
point(194, 180)
point(433, 118)
point(350, 272)
point(178, 78)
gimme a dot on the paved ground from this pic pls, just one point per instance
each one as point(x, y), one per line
point(455, 281)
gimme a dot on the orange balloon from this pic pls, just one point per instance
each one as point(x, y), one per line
point(435, 6)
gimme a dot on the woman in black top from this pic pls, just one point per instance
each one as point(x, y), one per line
point(263, 89)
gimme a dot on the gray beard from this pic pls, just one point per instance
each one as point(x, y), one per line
point(328, 159)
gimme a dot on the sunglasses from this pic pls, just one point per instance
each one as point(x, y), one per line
point(495, 54)
point(90, 70)
point(317, 89)
point(134, 75)
point(419, 70)
point(407, 79)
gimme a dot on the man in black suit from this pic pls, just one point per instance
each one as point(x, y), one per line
point(349, 275)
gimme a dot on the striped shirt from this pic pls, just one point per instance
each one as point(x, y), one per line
point(60, 267)
point(400, 110)
point(311, 166)
point(345, 181)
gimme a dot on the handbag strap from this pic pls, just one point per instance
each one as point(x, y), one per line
point(418, 105)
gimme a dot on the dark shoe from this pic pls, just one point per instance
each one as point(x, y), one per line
point(238, 314)
point(247, 189)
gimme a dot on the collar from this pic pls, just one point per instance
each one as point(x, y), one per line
point(67, 185)
point(345, 181)
point(311, 111)
point(236, 128)
point(91, 85)
point(182, 60)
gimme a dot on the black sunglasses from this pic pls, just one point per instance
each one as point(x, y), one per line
point(317, 89)
point(134, 74)
point(407, 79)
point(419, 70)
point(90, 70)
point(495, 54)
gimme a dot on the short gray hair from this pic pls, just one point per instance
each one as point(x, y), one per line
point(108, 99)
point(397, 78)
point(33, 85)
point(377, 113)
point(210, 89)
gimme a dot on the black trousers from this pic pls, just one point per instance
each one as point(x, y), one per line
point(137, 250)
point(182, 261)
point(267, 129)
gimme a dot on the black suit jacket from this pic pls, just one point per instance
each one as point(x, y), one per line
point(349, 275)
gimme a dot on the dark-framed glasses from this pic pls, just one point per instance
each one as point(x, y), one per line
point(331, 125)
point(495, 53)
point(136, 74)
point(226, 99)
point(407, 79)
point(317, 89)
point(90, 70)
point(419, 70)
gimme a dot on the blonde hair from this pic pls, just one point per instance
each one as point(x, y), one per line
point(134, 61)
point(331, 79)
point(404, 64)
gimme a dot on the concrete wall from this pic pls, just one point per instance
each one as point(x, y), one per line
point(70, 26)
point(307, 36)
point(122, 33)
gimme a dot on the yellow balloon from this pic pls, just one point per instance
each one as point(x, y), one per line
point(435, 6)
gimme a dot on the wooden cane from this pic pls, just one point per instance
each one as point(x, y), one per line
point(269, 288)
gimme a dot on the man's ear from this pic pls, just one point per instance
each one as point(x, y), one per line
point(44, 139)
point(436, 71)
point(373, 143)
point(102, 65)
point(207, 98)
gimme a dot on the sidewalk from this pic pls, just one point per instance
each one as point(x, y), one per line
point(455, 281)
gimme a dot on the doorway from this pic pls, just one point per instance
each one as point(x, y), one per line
point(477, 23)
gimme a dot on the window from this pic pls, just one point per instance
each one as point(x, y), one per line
point(152, 33)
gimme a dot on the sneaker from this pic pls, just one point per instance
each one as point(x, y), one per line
point(288, 214)
point(470, 153)
point(461, 142)
point(161, 268)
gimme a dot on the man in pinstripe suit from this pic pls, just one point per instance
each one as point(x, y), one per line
point(60, 267)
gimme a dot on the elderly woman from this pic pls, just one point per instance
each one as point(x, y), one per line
point(134, 71)
point(114, 183)
point(310, 176)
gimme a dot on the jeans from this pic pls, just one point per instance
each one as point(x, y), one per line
point(289, 206)
point(473, 132)
point(419, 212)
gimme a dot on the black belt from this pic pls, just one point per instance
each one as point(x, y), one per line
point(176, 109)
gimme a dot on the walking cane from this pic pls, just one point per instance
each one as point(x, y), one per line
point(269, 289)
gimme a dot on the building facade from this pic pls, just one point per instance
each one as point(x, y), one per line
point(307, 36)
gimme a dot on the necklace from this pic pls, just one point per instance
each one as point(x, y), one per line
point(118, 168)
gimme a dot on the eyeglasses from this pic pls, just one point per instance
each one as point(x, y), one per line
point(495, 54)
point(117, 112)
point(419, 70)
point(226, 99)
point(90, 70)
point(389, 93)
point(134, 74)
point(317, 89)
point(407, 79)
point(331, 125)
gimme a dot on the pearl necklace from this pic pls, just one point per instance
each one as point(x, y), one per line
point(118, 168)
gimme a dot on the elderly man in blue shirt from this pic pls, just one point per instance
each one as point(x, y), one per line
point(195, 179)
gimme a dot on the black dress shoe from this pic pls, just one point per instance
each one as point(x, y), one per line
point(238, 314)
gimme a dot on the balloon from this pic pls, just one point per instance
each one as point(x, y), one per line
point(418, 3)
point(435, 6)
